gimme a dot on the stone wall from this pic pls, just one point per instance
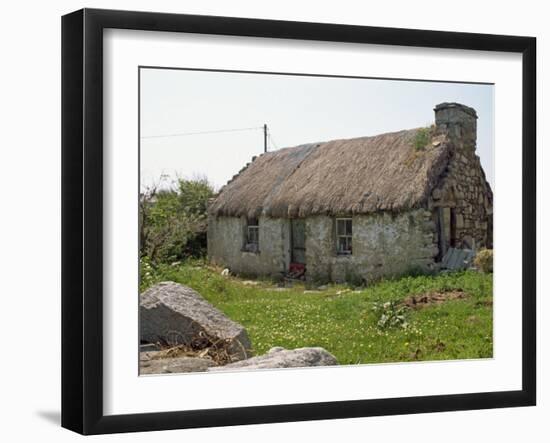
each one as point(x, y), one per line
point(226, 240)
point(463, 187)
point(383, 245)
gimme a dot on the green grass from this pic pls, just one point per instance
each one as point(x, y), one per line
point(341, 319)
point(421, 138)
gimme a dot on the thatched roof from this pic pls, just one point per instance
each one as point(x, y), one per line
point(354, 176)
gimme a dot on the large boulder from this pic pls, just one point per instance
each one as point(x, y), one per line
point(283, 358)
point(175, 315)
point(173, 365)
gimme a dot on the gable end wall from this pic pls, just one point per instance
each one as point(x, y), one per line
point(464, 188)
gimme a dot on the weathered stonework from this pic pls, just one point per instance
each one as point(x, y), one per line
point(226, 239)
point(455, 211)
point(383, 245)
point(463, 187)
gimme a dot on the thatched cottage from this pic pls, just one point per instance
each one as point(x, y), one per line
point(359, 208)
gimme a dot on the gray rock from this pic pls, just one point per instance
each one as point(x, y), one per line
point(282, 358)
point(147, 355)
point(176, 365)
point(177, 315)
point(149, 347)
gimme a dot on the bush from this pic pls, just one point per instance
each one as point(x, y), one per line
point(390, 315)
point(421, 138)
point(173, 221)
point(484, 260)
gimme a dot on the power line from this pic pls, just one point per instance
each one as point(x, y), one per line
point(272, 140)
point(183, 134)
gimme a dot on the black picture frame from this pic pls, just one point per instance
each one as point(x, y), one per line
point(82, 218)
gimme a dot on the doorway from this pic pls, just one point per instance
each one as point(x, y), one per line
point(446, 230)
point(298, 241)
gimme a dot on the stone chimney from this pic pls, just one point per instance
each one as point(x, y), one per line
point(459, 122)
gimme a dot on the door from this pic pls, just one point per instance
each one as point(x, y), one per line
point(452, 238)
point(298, 240)
point(446, 226)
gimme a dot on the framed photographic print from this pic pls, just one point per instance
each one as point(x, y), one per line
point(268, 221)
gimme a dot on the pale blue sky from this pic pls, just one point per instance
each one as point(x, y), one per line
point(297, 109)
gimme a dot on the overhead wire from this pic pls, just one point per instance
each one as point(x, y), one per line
point(216, 131)
point(270, 137)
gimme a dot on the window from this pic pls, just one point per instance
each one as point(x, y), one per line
point(343, 236)
point(252, 235)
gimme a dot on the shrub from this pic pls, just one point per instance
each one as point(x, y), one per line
point(484, 260)
point(421, 138)
point(146, 271)
point(391, 315)
point(173, 221)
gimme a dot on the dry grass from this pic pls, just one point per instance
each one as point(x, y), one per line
point(201, 346)
point(430, 298)
point(484, 260)
point(361, 175)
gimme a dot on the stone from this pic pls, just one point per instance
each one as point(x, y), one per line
point(436, 194)
point(250, 283)
point(468, 242)
point(174, 314)
point(283, 358)
point(430, 226)
point(149, 347)
point(174, 365)
point(459, 221)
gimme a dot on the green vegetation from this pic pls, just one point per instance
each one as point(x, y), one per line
point(349, 322)
point(421, 138)
point(391, 314)
point(173, 221)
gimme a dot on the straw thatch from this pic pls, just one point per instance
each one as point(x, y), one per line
point(354, 176)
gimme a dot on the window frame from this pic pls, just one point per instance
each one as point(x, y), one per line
point(347, 236)
point(252, 246)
